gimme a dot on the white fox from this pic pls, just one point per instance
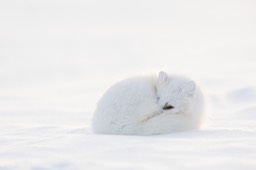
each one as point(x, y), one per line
point(150, 105)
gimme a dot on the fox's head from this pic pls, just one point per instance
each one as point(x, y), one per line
point(174, 93)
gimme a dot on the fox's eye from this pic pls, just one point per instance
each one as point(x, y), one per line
point(167, 107)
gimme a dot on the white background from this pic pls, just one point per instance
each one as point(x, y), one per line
point(58, 57)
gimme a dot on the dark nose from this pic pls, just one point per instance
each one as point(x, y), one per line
point(167, 106)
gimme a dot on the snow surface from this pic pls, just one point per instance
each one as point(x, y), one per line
point(58, 57)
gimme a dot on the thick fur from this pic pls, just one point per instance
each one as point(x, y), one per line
point(150, 105)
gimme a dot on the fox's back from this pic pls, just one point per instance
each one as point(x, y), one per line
point(123, 103)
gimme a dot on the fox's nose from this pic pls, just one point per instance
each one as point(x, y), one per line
point(167, 106)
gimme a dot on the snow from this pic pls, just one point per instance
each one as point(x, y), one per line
point(58, 57)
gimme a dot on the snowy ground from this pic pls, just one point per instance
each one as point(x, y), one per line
point(58, 57)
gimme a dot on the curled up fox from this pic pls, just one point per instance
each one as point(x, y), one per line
point(150, 105)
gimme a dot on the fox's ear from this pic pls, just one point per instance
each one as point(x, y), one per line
point(189, 88)
point(162, 77)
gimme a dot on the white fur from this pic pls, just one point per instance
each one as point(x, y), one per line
point(135, 106)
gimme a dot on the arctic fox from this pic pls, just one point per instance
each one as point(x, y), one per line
point(150, 105)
